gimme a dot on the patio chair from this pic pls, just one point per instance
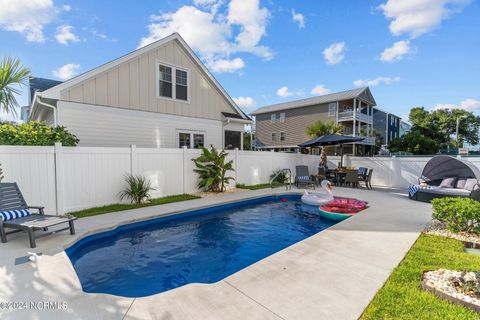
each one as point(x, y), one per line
point(367, 179)
point(362, 173)
point(15, 214)
point(351, 178)
point(303, 177)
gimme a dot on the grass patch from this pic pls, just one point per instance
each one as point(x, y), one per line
point(121, 207)
point(258, 186)
point(402, 297)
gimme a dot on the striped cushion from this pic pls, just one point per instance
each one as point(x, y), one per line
point(13, 214)
point(303, 178)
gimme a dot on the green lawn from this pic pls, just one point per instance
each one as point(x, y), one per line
point(258, 186)
point(121, 207)
point(402, 298)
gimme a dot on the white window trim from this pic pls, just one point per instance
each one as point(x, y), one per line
point(174, 81)
point(191, 133)
point(282, 119)
point(273, 117)
point(272, 135)
point(284, 136)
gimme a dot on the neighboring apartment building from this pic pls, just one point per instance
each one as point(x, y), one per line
point(405, 128)
point(387, 124)
point(281, 127)
point(160, 95)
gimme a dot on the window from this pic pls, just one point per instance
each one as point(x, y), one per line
point(198, 141)
point(273, 117)
point(282, 117)
point(273, 136)
point(181, 85)
point(282, 136)
point(233, 139)
point(332, 109)
point(165, 84)
point(172, 82)
point(184, 140)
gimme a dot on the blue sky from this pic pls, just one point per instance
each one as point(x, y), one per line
point(410, 52)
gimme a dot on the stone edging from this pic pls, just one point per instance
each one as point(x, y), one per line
point(446, 296)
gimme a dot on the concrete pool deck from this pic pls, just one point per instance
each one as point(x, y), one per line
point(331, 275)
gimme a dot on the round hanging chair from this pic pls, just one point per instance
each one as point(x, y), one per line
point(442, 165)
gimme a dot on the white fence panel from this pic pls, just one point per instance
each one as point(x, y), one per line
point(190, 180)
point(254, 167)
point(93, 176)
point(164, 169)
point(33, 169)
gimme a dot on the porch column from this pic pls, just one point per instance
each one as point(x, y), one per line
point(354, 116)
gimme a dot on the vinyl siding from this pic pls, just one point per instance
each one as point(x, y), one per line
point(133, 85)
point(296, 120)
point(112, 127)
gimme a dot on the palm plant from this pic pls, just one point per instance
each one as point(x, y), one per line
point(320, 128)
point(138, 189)
point(212, 169)
point(12, 74)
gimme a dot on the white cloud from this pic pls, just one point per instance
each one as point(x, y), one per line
point(375, 82)
point(335, 53)
point(65, 34)
point(246, 103)
point(285, 92)
point(27, 17)
point(67, 71)
point(298, 18)
point(467, 104)
point(215, 36)
point(225, 65)
point(320, 90)
point(416, 17)
point(67, 8)
point(396, 52)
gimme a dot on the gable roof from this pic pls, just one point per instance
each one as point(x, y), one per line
point(36, 84)
point(361, 93)
point(54, 93)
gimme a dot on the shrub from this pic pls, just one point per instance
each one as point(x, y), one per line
point(138, 189)
point(280, 176)
point(35, 134)
point(212, 169)
point(458, 214)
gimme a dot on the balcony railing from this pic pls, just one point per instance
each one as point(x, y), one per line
point(366, 140)
point(348, 115)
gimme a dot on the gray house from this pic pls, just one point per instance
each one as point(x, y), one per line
point(387, 124)
point(160, 95)
point(281, 127)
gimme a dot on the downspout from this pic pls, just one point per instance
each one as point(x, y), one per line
point(49, 106)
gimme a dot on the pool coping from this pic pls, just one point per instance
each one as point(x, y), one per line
point(262, 290)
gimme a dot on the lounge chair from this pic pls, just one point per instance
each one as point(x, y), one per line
point(446, 176)
point(367, 178)
point(303, 177)
point(15, 214)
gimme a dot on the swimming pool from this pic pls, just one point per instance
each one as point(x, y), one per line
point(200, 246)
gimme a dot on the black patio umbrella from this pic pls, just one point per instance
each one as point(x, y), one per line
point(331, 140)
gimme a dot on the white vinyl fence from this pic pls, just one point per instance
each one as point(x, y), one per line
point(66, 179)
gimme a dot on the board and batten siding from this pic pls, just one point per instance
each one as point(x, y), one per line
point(296, 120)
point(113, 127)
point(133, 85)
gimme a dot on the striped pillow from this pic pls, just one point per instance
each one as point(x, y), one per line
point(13, 214)
point(303, 178)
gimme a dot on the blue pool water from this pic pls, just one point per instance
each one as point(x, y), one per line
point(201, 246)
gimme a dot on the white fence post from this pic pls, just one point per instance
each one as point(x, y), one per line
point(235, 164)
point(184, 168)
point(133, 160)
point(59, 179)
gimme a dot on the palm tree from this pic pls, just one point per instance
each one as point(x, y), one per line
point(321, 128)
point(12, 74)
